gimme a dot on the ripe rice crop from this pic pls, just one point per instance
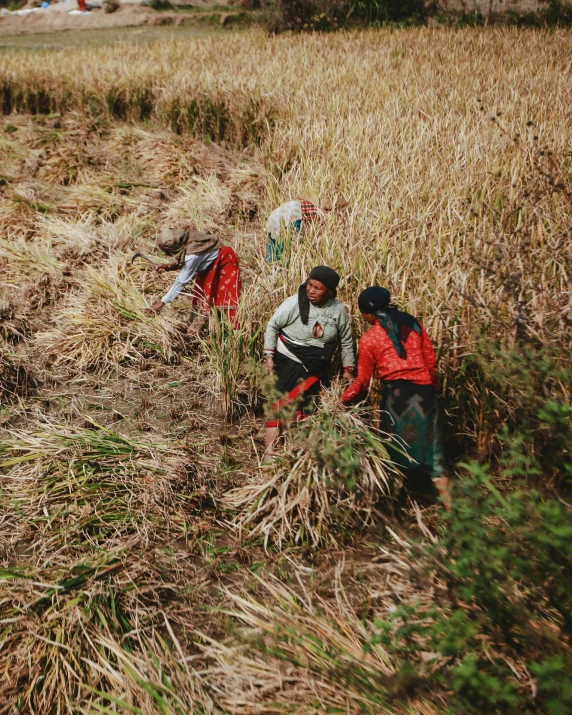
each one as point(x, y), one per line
point(104, 324)
point(119, 553)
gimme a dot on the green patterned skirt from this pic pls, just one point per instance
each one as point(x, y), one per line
point(412, 413)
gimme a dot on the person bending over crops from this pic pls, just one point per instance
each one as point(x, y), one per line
point(300, 341)
point(214, 268)
point(399, 350)
point(292, 216)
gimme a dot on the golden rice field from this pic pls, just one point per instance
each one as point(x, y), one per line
point(150, 562)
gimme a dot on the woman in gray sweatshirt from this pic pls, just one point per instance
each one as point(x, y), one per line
point(300, 341)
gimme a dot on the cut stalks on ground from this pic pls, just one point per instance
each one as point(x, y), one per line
point(69, 489)
point(94, 638)
point(104, 325)
point(295, 649)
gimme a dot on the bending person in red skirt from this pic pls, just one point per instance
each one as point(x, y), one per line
point(214, 268)
point(398, 349)
point(300, 341)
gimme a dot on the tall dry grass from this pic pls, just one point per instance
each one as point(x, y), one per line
point(400, 124)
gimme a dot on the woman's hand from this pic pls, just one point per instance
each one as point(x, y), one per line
point(348, 375)
point(155, 308)
point(162, 267)
point(269, 363)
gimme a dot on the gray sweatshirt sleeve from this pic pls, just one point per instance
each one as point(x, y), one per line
point(346, 339)
point(282, 317)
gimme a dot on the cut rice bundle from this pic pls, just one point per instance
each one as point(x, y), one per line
point(23, 259)
point(83, 488)
point(104, 324)
point(92, 636)
point(330, 473)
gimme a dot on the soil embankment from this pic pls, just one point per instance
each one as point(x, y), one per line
point(128, 15)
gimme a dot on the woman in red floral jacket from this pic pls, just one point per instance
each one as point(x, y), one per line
point(398, 349)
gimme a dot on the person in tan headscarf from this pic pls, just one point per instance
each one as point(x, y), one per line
point(213, 266)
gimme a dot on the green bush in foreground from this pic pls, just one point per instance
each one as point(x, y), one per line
point(491, 632)
point(517, 395)
point(497, 637)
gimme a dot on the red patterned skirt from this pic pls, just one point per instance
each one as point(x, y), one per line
point(219, 287)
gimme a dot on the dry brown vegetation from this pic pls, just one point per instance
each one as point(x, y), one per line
point(127, 584)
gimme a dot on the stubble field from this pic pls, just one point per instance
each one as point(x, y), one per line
point(151, 563)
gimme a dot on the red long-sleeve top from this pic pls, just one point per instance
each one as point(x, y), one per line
point(377, 354)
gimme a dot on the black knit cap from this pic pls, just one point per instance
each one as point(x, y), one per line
point(373, 299)
point(325, 275)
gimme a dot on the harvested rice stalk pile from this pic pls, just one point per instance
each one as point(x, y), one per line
point(86, 516)
point(104, 324)
point(75, 193)
point(300, 652)
point(73, 489)
point(329, 474)
point(94, 637)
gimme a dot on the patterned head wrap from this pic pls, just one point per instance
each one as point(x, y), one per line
point(396, 323)
point(179, 243)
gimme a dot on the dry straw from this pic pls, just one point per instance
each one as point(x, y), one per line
point(83, 487)
point(298, 651)
point(85, 629)
point(322, 483)
point(93, 638)
point(104, 324)
point(452, 151)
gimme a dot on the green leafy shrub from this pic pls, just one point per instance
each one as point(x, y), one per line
point(557, 13)
point(497, 635)
point(160, 5)
point(526, 390)
point(305, 15)
point(325, 15)
point(12, 4)
point(379, 12)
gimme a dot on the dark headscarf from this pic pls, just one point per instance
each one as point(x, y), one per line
point(376, 301)
point(325, 275)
